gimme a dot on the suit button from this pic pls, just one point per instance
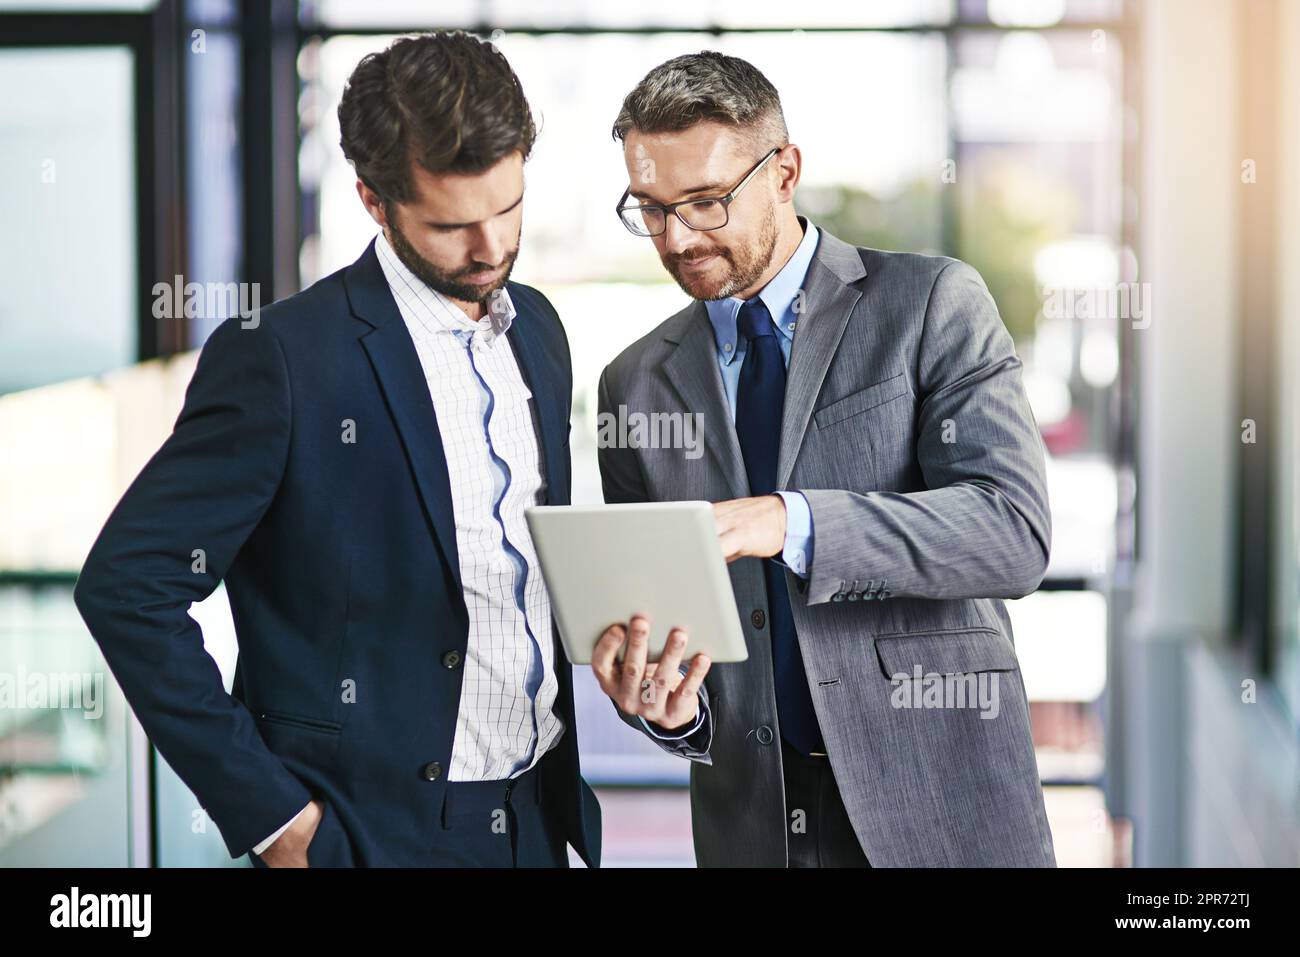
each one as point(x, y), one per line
point(451, 659)
point(764, 735)
point(758, 618)
point(853, 595)
point(432, 771)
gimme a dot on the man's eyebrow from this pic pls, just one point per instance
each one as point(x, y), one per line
point(462, 225)
point(705, 188)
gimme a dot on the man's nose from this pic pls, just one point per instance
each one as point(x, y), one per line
point(678, 237)
point(488, 246)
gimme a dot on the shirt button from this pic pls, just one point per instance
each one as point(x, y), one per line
point(758, 618)
point(726, 347)
point(764, 735)
point(432, 771)
point(451, 659)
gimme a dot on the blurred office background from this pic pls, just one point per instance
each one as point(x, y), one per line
point(1076, 145)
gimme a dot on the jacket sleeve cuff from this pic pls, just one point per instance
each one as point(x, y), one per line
point(676, 735)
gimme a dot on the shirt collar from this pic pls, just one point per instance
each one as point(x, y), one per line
point(435, 311)
point(778, 295)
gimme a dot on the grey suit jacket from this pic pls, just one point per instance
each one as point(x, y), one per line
point(907, 428)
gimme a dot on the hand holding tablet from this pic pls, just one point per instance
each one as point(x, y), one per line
point(655, 691)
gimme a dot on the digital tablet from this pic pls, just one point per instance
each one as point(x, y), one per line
point(604, 563)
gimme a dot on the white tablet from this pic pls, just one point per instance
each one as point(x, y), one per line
point(604, 563)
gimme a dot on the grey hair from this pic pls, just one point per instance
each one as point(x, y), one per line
point(702, 86)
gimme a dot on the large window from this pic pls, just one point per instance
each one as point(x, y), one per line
point(66, 157)
point(68, 265)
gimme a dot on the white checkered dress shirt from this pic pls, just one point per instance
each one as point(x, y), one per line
point(493, 462)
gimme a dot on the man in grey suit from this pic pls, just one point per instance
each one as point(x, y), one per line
point(879, 487)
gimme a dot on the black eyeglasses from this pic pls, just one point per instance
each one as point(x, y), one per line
point(651, 219)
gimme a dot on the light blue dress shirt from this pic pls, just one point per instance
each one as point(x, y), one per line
point(780, 296)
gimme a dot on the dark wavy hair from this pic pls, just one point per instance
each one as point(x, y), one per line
point(448, 101)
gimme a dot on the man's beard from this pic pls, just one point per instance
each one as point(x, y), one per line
point(747, 264)
point(448, 283)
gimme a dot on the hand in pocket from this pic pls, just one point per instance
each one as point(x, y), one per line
point(290, 848)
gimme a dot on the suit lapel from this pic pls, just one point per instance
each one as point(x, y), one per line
point(692, 370)
point(401, 377)
point(830, 295)
point(525, 339)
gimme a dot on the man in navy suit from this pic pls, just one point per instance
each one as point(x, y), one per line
point(355, 465)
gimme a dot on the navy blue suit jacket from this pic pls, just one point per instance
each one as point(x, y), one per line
point(341, 566)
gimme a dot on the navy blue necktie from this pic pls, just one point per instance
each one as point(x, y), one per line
point(760, 397)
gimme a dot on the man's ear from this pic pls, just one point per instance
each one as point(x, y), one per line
point(790, 168)
point(374, 205)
